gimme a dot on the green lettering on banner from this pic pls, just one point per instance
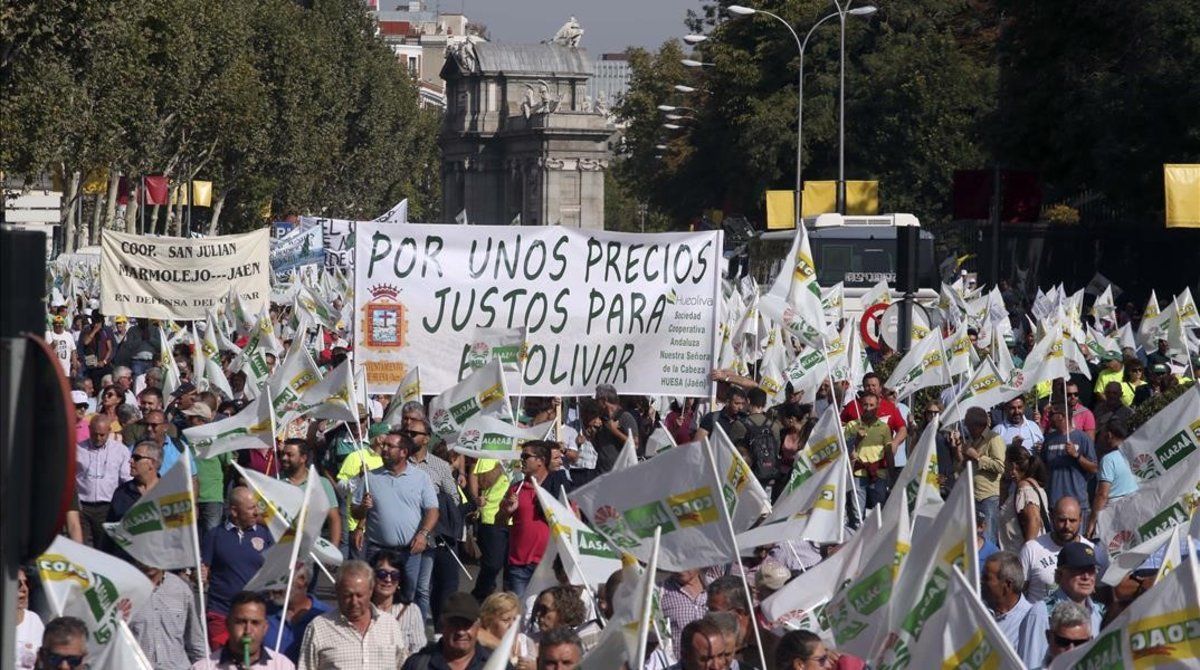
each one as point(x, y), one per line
point(591, 544)
point(931, 601)
point(800, 474)
point(1175, 450)
point(464, 410)
point(142, 518)
point(1171, 516)
point(496, 442)
point(872, 592)
point(101, 596)
point(644, 518)
point(1105, 654)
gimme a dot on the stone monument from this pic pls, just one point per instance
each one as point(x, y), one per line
point(520, 140)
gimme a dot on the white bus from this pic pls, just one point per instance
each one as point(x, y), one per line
point(857, 250)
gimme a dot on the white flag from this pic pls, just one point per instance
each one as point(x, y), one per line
point(166, 361)
point(461, 218)
point(251, 428)
point(485, 436)
point(333, 397)
point(92, 586)
point(821, 518)
point(1157, 630)
point(1158, 504)
point(1149, 330)
point(279, 504)
point(922, 367)
point(587, 558)
point(397, 214)
point(208, 353)
point(484, 391)
point(677, 491)
point(1170, 438)
point(627, 457)
point(958, 350)
point(159, 530)
point(922, 586)
point(408, 391)
point(744, 496)
point(879, 294)
point(794, 300)
point(298, 541)
point(985, 389)
point(857, 614)
point(660, 440)
point(825, 446)
point(295, 375)
point(919, 478)
point(963, 634)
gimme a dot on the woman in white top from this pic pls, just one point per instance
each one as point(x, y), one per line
point(389, 571)
point(29, 625)
point(1024, 515)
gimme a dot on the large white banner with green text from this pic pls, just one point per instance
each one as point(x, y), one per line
point(635, 310)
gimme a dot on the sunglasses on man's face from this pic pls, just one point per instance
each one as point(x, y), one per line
point(1067, 642)
point(57, 660)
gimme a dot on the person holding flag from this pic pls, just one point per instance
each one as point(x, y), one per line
point(231, 554)
point(530, 532)
point(244, 630)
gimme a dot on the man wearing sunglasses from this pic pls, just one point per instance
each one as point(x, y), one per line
point(1069, 628)
point(1076, 578)
point(64, 645)
point(143, 467)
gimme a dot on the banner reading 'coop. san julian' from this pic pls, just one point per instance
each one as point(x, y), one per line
point(635, 310)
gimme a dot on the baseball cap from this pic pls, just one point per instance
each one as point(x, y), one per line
point(59, 321)
point(1076, 555)
point(121, 319)
point(79, 398)
point(772, 575)
point(460, 606)
point(378, 429)
point(186, 387)
point(1159, 368)
point(201, 410)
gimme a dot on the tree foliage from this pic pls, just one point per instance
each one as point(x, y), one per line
point(287, 108)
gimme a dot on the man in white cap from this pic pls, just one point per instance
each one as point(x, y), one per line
point(63, 345)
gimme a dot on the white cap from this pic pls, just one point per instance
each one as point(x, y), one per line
point(79, 398)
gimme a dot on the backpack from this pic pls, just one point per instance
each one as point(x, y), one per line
point(762, 445)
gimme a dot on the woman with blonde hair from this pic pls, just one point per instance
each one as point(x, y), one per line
point(497, 612)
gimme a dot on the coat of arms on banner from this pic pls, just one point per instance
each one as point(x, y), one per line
point(384, 322)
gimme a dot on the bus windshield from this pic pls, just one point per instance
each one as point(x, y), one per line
point(860, 257)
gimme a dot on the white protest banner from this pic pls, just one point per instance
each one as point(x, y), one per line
point(157, 530)
point(92, 586)
point(1158, 504)
point(485, 436)
point(635, 310)
point(675, 490)
point(1160, 629)
point(1167, 439)
point(484, 392)
point(304, 246)
point(178, 278)
point(337, 237)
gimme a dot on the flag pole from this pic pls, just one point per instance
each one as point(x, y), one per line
point(187, 465)
point(973, 548)
point(578, 569)
point(841, 437)
point(298, 524)
point(647, 603)
point(712, 462)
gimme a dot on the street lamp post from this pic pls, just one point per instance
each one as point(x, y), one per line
point(801, 46)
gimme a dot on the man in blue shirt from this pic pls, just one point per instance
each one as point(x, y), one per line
point(1076, 578)
point(1070, 459)
point(400, 507)
point(156, 430)
point(301, 610)
point(1024, 623)
point(231, 554)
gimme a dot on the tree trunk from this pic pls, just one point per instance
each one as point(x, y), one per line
point(94, 228)
point(132, 210)
point(152, 226)
point(216, 212)
point(114, 188)
point(68, 220)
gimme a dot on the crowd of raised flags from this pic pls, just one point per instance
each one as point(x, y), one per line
point(902, 589)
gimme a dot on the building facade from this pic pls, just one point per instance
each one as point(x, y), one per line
point(521, 137)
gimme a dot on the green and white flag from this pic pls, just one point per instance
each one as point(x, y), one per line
point(587, 558)
point(794, 300)
point(744, 496)
point(1170, 439)
point(677, 491)
point(922, 586)
point(159, 530)
point(922, 367)
point(166, 361)
point(857, 614)
point(279, 504)
point(1160, 629)
point(919, 478)
point(484, 391)
point(486, 436)
point(334, 397)
point(985, 389)
point(958, 350)
point(94, 587)
point(298, 541)
point(660, 440)
point(291, 378)
point(409, 390)
point(822, 451)
point(963, 634)
point(821, 518)
point(509, 345)
point(1158, 504)
point(1131, 559)
point(251, 428)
